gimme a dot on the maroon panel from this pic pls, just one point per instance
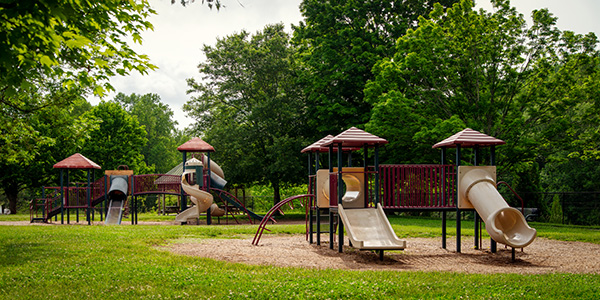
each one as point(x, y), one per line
point(418, 186)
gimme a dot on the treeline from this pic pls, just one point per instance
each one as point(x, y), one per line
point(413, 72)
point(134, 130)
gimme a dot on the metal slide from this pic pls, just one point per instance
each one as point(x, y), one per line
point(115, 212)
point(369, 229)
point(233, 201)
point(118, 196)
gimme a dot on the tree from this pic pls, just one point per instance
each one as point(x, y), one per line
point(339, 43)
point(117, 140)
point(56, 49)
point(61, 132)
point(157, 118)
point(250, 108)
point(487, 71)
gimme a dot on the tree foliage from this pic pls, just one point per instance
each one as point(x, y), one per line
point(119, 139)
point(157, 118)
point(52, 50)
point(62, 131)
point(250, 108)
point(490, 72)
point(340, 42)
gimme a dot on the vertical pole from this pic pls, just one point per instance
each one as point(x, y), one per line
point(67, 199)
point(62, 198)
point(366, 171)
point(443, 197)
point(377, 187)
point(340, 234)
point(89, 200)
point(105, 206)
point(310, 224)
point(458, 213)
point(493, 245)
point(318, 226)
point(476, 218)
point(183, 200)
point(208, 216)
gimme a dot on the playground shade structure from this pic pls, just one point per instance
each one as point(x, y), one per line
point(369, 229)
point(504, 224)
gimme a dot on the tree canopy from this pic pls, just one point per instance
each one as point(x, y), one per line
point(160, 151)
point(250, 108)
point(339, 43)
point(53, 51)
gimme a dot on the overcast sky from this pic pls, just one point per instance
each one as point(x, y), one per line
point(180, 32)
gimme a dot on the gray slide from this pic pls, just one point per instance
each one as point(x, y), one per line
point(117, 195)
point(115, 212)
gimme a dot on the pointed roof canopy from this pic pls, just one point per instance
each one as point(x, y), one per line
point(354, 137)
point(469, 138)
point(76, 161)
point(318, 146)
point(196, 145)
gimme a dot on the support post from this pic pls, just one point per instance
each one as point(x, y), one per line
point(458, 212)
point(183, 199)
point(340, 234)
point(62, 199)
point(493, 244)
point(377, 187)
point(476, 218)
point(444, 214)
point(318, 226)
point(88, 198)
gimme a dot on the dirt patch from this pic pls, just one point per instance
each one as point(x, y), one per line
point(421, 254)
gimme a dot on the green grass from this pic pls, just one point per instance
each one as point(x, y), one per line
point(127, 262)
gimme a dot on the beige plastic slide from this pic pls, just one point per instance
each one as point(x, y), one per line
point(369, 229)
point(200, 198)
point(214, 167)
point(505, 224)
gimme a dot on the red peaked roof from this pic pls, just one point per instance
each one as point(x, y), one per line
point(196, 145)
point(354, 137)
point(318, 146)
point(469, 138)
point(76, 161)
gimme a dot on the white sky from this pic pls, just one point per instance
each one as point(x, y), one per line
point(180, 32)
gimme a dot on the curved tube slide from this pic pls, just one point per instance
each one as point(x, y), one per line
point(505, 224)
point(200, 198)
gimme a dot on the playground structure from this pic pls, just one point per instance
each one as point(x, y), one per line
point(115, 194)
point(357, 197)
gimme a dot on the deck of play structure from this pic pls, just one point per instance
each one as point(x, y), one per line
point(109, 195)
point(353, 199)
point(356, 197)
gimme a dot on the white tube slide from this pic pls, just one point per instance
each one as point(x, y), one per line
point(200, 198)
point(214, 167)
point(505, 224)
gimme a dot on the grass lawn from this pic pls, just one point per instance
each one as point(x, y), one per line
point(127, 262)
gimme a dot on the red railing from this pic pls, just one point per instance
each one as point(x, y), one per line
point(156, 184)
point(418, 186)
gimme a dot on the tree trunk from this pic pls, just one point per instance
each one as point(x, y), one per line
point(276, 191)
point(12, 193)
